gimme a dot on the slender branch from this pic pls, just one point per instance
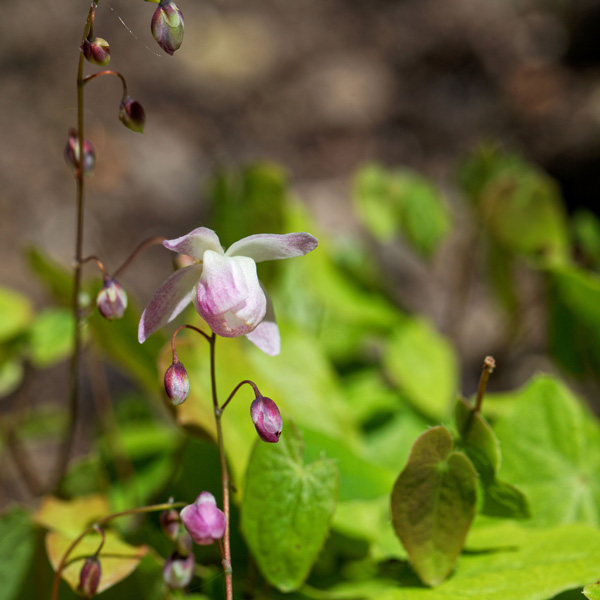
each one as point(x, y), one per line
point(224, 472)
point(107, 72)
point(98, 262)
point(489, 364)
point(157, 239)
point(237, 387)
point(204, 335)
point(98, 524)
point(75, 363)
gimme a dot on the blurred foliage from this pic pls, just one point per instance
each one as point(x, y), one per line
point(504, 504)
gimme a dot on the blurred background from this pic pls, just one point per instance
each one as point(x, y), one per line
point(321, 88)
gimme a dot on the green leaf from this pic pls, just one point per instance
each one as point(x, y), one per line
point(574, 336)
point(58, 280)
point(287, 509)
point(592, 591)
point(433, 504)
point(11, 375)
point(535, 565)
point(51, 337)
point(477, 439)
point(17, 547)
point(248, 201)
point(360, 478)
point(423, 365)
point(501, 499)
point(551, 450)
point(389, 202)
point(16, 312)
point(586, 227)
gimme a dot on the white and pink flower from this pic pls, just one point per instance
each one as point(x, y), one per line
point(224, 286)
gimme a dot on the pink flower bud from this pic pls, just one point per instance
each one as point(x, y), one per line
point(89, 576)
point(266, 418)
point(169, 522)
point(96, 52)
point(203, 520)
point(111, 300)
point(132, 115)
point(178, 570)
point(177, 383)
point(72, 154)
point(167, 26)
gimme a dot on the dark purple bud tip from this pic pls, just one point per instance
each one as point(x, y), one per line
point(178, 570)
point(177, 383)
point(96, 52)
point(111, 300)
point(167, 26)
point(132, 115)
point(169, 522)
point(203, 520)
point(266, 418)
point(89, 576)
point(72, 154)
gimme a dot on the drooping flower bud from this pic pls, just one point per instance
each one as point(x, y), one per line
point(169, 522)
point(72, 154)
point(89, 576)
point(203, 520)
point(96, 52)
point(266, 418)
point(167, 26)
point(132, 115)
point(111, 300)
point(177, 383)
point(178, 570)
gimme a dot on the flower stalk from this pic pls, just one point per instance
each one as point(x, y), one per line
point(98, 526)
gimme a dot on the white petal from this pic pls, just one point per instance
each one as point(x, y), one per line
point(266, 337)
point(271, 246)
point(229, 297)
point(169, 300)
point(195, 243)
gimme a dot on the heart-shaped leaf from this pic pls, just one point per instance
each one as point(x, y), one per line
point(287, 509)
point(433, 504)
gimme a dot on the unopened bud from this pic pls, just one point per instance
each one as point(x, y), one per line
point(203, 520)
point(178, 570)
point(89, 576)
point(167, 26)
point(177, 383)
point(96, 52)
point(266, 418)
point(169, 522)
point(111, 300)
point(132, 115)
point(72, 154)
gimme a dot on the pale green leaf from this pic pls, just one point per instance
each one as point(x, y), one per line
point(287, 508)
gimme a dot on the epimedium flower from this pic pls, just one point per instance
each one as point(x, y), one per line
point(203, 520)
point(224, 286)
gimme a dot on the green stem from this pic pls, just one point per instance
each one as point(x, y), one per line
point(224, 472)
point(98, 525)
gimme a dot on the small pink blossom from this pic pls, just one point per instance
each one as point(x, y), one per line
point(203, 520)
